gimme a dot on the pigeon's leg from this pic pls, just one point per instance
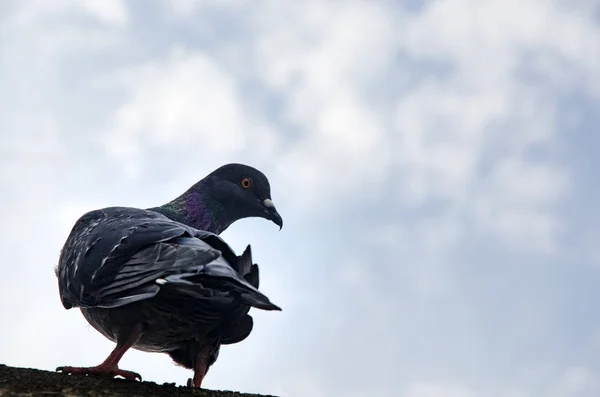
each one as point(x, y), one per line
point(110, 366)
point(201, 365)
point(200, 370)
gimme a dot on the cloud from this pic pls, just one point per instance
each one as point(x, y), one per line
point(187, 100)
point(319, 66)
point(524, 215)
point(110, 11)
point(432, 390)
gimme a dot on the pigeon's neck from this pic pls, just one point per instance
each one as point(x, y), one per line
point(195, 210)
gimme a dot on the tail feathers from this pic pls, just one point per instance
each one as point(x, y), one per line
point(258, 300)
point(244, 264)
point(252, 296)
point(247, 269)
point(252, 277)
point(221, 277)
point(249, 272)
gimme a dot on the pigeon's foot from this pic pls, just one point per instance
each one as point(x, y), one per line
point(196, 383)
point(110, 367)
point(101, 371)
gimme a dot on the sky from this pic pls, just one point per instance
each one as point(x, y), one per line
point(435, 164)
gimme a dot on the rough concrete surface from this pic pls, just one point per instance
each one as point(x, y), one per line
point(27, 382)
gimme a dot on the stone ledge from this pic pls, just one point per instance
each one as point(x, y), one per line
point(27, 382)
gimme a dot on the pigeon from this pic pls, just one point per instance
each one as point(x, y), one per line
point(162, 279)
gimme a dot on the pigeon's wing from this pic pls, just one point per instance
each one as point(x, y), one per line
point(119, 256)
point(100, 244)
point(183, 265)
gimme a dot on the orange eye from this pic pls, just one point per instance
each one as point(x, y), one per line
point(246, 183)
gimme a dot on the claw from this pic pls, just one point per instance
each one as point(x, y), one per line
point(101, 371)
point(194, 383)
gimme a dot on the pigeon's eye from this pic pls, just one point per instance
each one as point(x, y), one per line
point(246, 183)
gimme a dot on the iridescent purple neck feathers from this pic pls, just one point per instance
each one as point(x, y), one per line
point(194, 210)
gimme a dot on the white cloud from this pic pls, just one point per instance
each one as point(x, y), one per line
point(443, 128)
point(559, 381)
point(516, 202)
point(187, 8)
point(434, 390)
point(319, 64)
point(488, 39)
point(109, 11)
point(451, 123)
point(185, 101)
point(575, 381)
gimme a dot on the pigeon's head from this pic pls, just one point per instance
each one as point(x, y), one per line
point(240, 191)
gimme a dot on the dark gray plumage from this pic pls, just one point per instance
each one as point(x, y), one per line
point(151, 283)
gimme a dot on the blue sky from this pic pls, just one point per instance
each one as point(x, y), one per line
point(435, 164)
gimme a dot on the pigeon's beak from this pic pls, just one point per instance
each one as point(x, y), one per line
point(272, 213)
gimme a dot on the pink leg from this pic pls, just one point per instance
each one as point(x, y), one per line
point(110, 366)
point(200, 370)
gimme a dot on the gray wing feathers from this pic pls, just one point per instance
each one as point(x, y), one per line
point(116, 255)
point(137, 279)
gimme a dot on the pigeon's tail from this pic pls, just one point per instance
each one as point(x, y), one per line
point(249, 272)
point(219, 275)
point(247, 269)
point(195, 285)
point(258, 300)
point(250, 295)
point(244, 264)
